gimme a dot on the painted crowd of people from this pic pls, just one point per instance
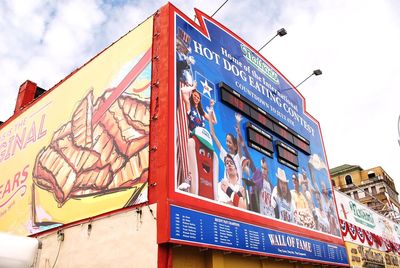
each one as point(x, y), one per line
point(306, 204)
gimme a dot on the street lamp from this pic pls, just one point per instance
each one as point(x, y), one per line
point(315, 72)
point(280, 32)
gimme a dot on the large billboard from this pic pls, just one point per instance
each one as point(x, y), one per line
point(244, 141)
point(82, 149)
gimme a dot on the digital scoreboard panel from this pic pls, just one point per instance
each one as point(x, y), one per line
point(259, 140)
point(287, 155)
point(244, 106)
point(243, 139)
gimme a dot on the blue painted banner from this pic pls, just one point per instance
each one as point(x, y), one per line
point(232, 103)
point(206, 229)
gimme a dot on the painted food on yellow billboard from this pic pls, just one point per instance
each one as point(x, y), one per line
point(87, 157)
point(82, 149)
point(103, 148)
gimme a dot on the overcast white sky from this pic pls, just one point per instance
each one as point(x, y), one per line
point(355, 43)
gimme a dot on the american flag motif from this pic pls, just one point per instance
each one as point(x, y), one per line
point(183, 136)
point(352, 231)
point(361, 234)
point(183, 36)
point(369, 237)
point(387, 244)
point(377, 239)
point(343, 227)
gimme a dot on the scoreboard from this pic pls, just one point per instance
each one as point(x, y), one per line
point(260, 140)
point(262, 118)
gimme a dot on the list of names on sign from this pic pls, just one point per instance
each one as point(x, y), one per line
point(206, 229)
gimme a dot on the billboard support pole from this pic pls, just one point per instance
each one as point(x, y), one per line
point(280, 32)
point(315, 72)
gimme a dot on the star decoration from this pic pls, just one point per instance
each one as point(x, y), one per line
point(206, 88)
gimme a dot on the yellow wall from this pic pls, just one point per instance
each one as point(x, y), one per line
point(185, 257)
point(355, 175)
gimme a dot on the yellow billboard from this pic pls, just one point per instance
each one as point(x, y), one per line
point(82, 149)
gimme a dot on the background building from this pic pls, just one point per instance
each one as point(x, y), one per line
point(373, 187)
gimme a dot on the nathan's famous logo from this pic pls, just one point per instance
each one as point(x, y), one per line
point(10, 187)
point(258, 63)
point(362, 215)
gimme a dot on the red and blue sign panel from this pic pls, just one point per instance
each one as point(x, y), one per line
point(243, 139)
point(207, 229)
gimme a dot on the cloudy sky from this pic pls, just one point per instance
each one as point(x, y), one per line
point(355, 43)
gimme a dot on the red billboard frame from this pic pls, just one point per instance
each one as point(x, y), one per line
point(163, 48)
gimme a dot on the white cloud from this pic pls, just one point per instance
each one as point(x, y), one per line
point(355, 43)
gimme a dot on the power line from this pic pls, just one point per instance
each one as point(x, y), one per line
point(219, 8)
point(195, 17)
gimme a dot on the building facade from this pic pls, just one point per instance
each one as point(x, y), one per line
point(372, 187)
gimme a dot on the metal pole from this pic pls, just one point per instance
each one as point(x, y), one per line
point(219, 8)
point(267, 42)
point(305, 79)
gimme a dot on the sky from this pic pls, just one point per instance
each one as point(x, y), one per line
point(355, 43)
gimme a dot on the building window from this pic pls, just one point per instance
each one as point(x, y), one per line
point(373, 190)
point(366, 191)
point(355, 194)
point(333, 183)
point(371, 174)
point(348, 180)
point(382, 190)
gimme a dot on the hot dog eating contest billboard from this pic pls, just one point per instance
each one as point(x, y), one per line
point(249, 159)
point(82, 149)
